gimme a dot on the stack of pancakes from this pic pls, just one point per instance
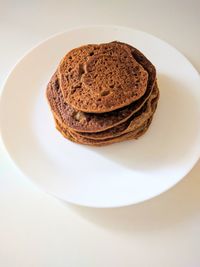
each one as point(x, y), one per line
point(103, 94)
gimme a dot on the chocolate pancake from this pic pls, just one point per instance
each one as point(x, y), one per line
point(82, 140)
point(136, 121)
point(101, 78)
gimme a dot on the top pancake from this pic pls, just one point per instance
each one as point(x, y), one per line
point(101, 78)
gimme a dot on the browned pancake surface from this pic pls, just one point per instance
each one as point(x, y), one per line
point(101, 78)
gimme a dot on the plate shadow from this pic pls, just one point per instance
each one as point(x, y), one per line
point(173, 207)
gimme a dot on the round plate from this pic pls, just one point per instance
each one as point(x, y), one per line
point(118, 174)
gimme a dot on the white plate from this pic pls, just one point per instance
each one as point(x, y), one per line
point(119, 174)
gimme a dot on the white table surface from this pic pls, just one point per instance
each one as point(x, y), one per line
point(39, 231)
